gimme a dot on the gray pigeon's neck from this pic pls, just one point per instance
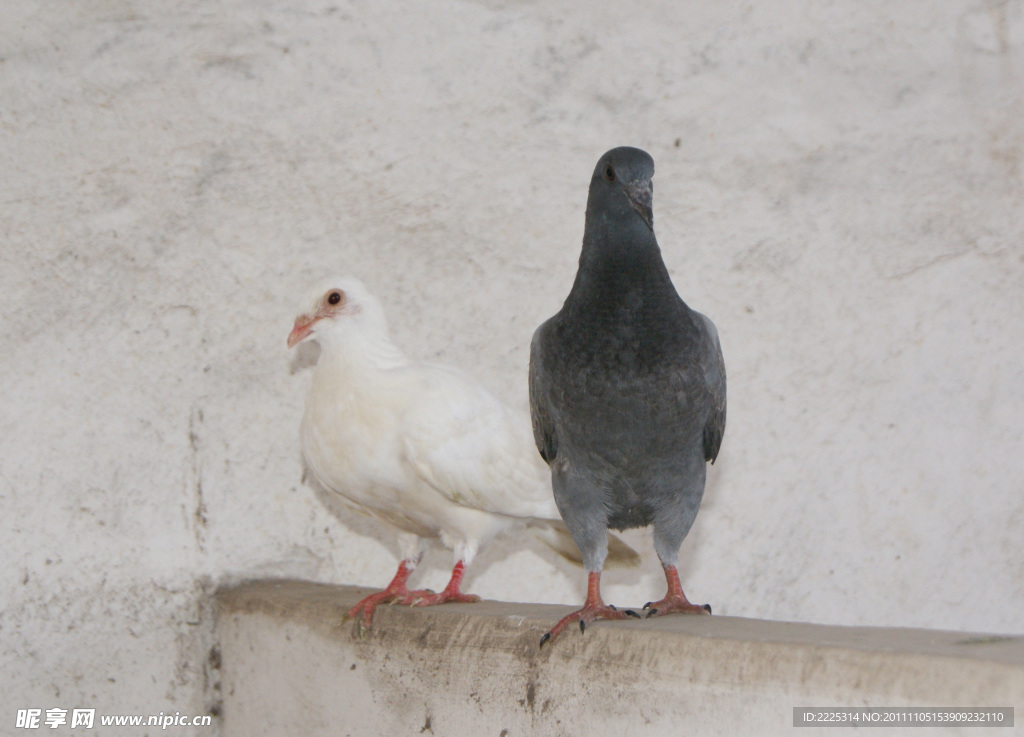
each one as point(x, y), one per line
point(615, 270)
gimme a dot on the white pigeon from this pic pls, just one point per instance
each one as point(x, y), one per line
point(421, 446)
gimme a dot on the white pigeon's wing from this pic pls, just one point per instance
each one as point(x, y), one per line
point(473, 450)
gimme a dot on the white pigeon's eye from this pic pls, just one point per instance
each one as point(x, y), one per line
point(609, 173)
point(335, 297)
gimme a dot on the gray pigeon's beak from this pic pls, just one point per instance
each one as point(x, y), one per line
point(641, 197)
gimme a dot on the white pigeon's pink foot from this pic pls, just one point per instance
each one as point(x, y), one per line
point(675, 601)
point(394, 591)
point(429, 598)
point(593, 608)
point(397, 593)
point(451, 593)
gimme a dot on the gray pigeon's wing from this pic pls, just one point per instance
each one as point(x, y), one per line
point(543, 427)
point(714, 373)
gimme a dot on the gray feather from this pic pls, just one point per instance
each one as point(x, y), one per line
point(627, 383)
point(556, 536)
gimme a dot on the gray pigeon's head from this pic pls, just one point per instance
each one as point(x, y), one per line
point(621, 187)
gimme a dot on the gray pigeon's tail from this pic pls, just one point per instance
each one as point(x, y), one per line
point(556, 536)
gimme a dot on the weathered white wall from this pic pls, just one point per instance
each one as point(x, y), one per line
point(838, 186)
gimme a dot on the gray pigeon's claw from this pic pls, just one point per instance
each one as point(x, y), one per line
point(648, 605)
point(545, 638)
point(593, 609)
point(612, 607)
point(631, 613)
point(675, 601)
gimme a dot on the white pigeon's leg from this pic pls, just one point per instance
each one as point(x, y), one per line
point(464, 553)
point(451, 593)
point(411, 548)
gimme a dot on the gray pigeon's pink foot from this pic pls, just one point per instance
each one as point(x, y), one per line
point(675, 601)
point(593, 608)
point(672, 605)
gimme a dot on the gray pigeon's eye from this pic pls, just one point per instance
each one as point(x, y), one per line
point(609, 173)
point(334, 298)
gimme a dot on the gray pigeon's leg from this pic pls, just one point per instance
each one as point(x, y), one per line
point(582, 508)
point(584, 512)
point(593, 608)
point(675, 600)
point(671, 524)
point(676, 508)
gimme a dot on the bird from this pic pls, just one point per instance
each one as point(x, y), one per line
point(627, 390)
point(422, 447)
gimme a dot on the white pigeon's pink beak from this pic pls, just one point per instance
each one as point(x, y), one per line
point(303, 327)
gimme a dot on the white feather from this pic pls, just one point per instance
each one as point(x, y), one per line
point(424, 447)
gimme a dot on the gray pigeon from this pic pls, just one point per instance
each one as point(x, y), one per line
point(627, 390)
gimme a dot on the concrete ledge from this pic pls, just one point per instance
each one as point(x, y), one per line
point(291, 666)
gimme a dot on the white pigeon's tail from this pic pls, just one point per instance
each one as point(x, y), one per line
point(556, 536)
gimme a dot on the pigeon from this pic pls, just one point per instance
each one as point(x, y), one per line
point(423, 447)
point(627, 390)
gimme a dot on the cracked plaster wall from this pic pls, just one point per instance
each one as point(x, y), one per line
point(838, 186)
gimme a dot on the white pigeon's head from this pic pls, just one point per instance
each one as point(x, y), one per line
point(336, 307)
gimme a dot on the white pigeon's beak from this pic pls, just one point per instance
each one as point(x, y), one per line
point(302, 330)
